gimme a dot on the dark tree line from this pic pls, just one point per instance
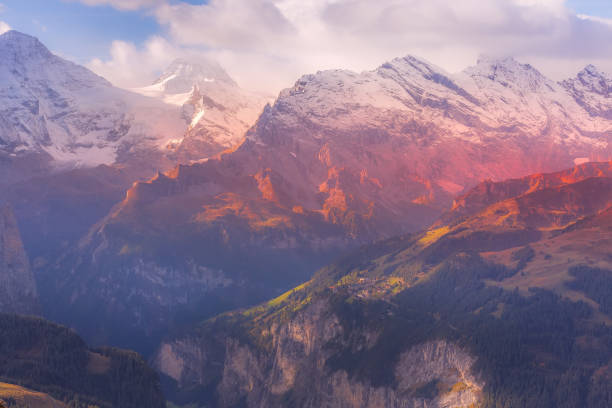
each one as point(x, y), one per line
point(52, 359)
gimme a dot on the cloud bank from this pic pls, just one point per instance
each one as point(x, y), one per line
point(4, 27)
point(268, 44)
point(131, 67)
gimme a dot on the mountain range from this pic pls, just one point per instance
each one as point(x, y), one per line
point(428, 239)
point(71, 144)
point(66, 116)
point(339, 160)
point(61, 114)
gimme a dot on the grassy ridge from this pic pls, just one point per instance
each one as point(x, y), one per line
point(15, 396)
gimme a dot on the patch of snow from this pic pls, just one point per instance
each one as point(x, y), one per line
point(196, 119)
point(581, 160)
point(450, 187)
point(165, 80)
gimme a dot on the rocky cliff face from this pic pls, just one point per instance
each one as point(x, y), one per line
point(507, 305)
point(295, 371)
point(339, 160)
point(490, 192)
point(18, 292)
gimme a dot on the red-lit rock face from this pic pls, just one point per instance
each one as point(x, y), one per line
point(382, 152)
point(343, 159)
point(489, 192)
point(522, 235)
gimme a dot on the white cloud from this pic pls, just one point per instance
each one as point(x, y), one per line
point(602, 20)
point(4, 27)
point(130, 67)
point(123, 4)
point(267, 44)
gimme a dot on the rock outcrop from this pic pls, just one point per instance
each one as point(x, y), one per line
point(507, 304)
point(18, 292)
point(296, 370)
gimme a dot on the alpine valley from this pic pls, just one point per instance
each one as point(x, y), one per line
point(428, 239)
point(504, 304)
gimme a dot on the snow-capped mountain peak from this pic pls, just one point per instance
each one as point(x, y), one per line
point(595, 80)
point(591, 89)
point(508, 72)
point(178, 84)
point(217, 111)
point(25, 58)
point(410, 63)
point(181, 75)
point(55, 108)
point(18, 46)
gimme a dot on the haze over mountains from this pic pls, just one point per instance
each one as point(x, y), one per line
point(142, 213)
point(65, 115)
point(341, 159)
point(72, 144)
point(218, 111)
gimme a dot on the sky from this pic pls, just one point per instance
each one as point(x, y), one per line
point(267, 44)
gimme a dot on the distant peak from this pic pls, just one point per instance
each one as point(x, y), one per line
point(183, 74)
point(507, 70)
point(415, 59)
point(19, 38)
point(409, 66)
point(412, 62)
point(592, 79)
point(22, 45)
point(488, 59)
point(593, 71)
point(508, 62)
point(187, 67)
point(13, 34)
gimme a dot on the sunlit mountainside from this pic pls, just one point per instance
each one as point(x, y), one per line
point(397, 237)
point(505, 306)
